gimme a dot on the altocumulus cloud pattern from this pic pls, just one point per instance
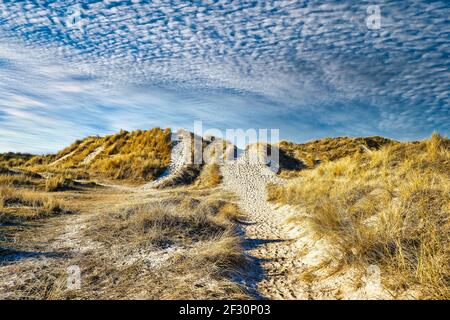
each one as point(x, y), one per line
point(310, 68)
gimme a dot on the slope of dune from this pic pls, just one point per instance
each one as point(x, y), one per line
point(140, 155)
point(297, 156)
point(388, 209)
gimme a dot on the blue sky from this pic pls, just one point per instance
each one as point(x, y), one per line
point(312, 69)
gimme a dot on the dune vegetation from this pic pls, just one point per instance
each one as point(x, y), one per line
point(388, 207)
point(58, 183)
point(209, 176)
point(177, 248)
point(10, 179)
point(23, 201)
point(140, 155)
point(374, 201)
point(309, 155)
point(171, 244)
point(11, 159)
point(21, 205)
point(199, 237)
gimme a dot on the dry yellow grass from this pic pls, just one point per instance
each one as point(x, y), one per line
point(177, 248)
point(15, 180)
point(12, 160)
point(389, 207)
point(203, 234)
point(58, 183)
point(21, 180)
point(164, 224)
point(139, 155)
point(73, 147)
point(19, 205)
point(294, 156)
point(209, 177)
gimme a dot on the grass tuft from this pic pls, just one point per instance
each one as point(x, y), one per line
point(59, 183)
point(21, 205)
point(209, 177)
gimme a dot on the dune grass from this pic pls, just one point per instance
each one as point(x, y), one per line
point(310, 154)
point(197, 245)
point(140, 155)
point(177, 248)
point(21, 205)
point(21, 200)
point(13, 180)
point(58, 183)
point(389, 207)
point(157, 223)
point(11, 159)
point(209, 177)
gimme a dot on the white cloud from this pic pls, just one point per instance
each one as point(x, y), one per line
point(294, 56)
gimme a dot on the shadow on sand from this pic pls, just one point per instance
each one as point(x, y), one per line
point(10, 256)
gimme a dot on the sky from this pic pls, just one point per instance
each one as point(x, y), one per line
point(311, 69)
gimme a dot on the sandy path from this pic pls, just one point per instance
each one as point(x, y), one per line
point(267, 239)
point(283, 252)
point(179, 158)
